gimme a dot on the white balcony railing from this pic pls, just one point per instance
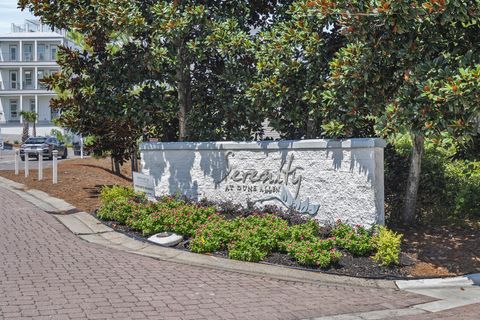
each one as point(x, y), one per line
point(8, 86)
point(28, 58)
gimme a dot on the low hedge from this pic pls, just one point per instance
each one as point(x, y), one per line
point(247, 237)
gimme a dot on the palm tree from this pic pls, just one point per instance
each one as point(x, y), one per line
point(28, 116)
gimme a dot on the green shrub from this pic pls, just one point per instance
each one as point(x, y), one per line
point(249, 238)
point(213, 236)
point(319, 253)
point(463, 188)
point(304, 232)
point(300, 232)
point(246, 249)
point(253, 237)
point(388, 246)
point(142, 218)
point(109, 194)
point(150, 224)
point(186, 219)
point(119, 203)
point(119, 209)
point(356, 240)
point(174, 216)
point(170, 202)
point(449, 185)
point(267, 231)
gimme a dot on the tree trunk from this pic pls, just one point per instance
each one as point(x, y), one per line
point(183, 80)
point(117, 167)
point(413, 182)
point(132, 165)
point(25, 131)
point(34, 128)
point(134, 161)
point(309, 128)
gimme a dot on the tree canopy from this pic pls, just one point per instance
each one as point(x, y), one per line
point(408, 65)
point(215, 70)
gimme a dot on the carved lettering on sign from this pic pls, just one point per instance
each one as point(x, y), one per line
point(269, 181)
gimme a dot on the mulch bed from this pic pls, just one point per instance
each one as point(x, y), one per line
point(79, 181)
point(349, 265)
point(429, 251)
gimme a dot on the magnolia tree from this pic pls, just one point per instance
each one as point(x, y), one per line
point(205, 52)
point(188, 62)
point(104, 88)
point(204, 70)
point(292, 65)
point(402, 66)
point(409, 66)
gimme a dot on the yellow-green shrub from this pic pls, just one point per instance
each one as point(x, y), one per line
point(109, 194)
point(387, 244)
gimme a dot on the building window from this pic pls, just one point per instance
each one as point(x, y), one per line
point(27, 52)
point(13, 52)
point(41, 52)
point(40, 75)
point(28, 79)
point(32, 105)
point(13, 109)
point(13, 80)
point(54, 52)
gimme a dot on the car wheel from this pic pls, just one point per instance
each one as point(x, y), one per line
point(65, 154)
point(22, 158)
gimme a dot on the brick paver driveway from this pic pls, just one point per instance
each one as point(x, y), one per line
point(46, 272)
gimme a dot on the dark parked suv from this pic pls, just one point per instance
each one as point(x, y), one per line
point(43, 145)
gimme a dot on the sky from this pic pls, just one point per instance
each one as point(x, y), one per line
point(10, 13)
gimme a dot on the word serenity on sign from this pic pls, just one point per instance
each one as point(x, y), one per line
point(269, 181)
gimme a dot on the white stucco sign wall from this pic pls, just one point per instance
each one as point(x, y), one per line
point(326, 179)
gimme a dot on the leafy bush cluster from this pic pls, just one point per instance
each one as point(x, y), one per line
point(449, 186)
point(247, 237)
point(356, 240)
point(387, 243)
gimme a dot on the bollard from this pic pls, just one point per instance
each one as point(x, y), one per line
point(81, 147)
point(54, 169)
point(17, 157)
point(25, 154)
point(40, 165)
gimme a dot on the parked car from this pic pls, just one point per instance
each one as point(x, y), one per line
point(43, 145)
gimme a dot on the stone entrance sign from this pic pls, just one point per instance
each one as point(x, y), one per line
point(326, 179)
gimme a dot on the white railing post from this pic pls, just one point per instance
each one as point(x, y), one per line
point(40, 165)
point(54, 169)
point(25, 154)
point(17, 157)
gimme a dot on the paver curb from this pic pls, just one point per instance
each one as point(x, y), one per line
point(90, 229)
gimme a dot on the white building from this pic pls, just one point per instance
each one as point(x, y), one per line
point(27, 54)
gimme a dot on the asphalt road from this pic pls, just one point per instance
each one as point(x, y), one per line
point(7, 160)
